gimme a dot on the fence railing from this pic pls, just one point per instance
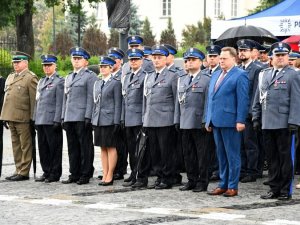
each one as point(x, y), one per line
point(7, 44)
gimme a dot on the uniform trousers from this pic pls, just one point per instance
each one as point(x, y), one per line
point(50, 142)
point(132, 143)
point(158, 154)
point(278, 149)
point(22, 146)
point(80, 149)
point(228, 145)
point(121, 167)
point(249, 151)
point(1, 146)
point(213, 165)
point(196, 156)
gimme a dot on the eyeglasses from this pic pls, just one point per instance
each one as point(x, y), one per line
point(47, 65)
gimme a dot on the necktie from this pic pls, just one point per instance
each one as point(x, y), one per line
point(16, 75)
point(221, 78)
point(210, 71)
point(102, 85)
point(74, 75)
point(156, 76)
point(191, 79)
point(131, 77)
point(244, 67)
point(275, 73)
point(46, 80)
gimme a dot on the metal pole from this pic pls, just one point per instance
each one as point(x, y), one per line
point(122, 41)
point(204, 14)
point(54, 42)
point(78, 21)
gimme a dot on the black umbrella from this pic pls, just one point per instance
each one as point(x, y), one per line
point(232, 35)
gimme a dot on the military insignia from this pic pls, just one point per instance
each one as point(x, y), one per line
point(212, 48)
point(133, 50)
point(242, 41)
point(77, 49)
point(280, 45)
point(46, 57)
point(191, 49)
point(133, 37)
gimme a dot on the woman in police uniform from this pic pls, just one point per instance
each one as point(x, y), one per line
point(106, 117)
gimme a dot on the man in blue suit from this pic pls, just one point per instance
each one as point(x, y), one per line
point(227, 109)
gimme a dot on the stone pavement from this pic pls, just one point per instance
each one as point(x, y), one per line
point(29, 202)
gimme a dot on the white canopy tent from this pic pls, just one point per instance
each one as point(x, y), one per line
point(282, 19)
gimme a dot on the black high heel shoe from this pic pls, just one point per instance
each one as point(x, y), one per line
point(108, 183)
point(101, 183)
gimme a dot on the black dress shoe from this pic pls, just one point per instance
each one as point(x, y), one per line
point(199, 189)
point(214, 177)
point(83, 180)
point(69, 181)
point(248, 179)
point(100, 177)
point(162, 186)
point(19, 178)
point(108, 183)
point(129, 184)
point(269, 195)
point(118, 176)
point(130, 178)
point(9, 177)
point(188, 186)
point(266, 182)
point(284, 197)
point(139, 184)
point(51, 179)
point(40, 179)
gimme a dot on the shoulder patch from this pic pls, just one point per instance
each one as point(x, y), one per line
point(178, 68)
point(172, 70)
point(117, 78)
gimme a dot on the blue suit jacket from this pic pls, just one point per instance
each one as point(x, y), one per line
point(229, 104)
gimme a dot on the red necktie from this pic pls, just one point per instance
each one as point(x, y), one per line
point(221, 78)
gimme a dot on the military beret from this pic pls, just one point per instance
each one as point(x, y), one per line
point(116, 53)
point(49, 59)
point(134, 40)
point(18, 56)
point(135, 54)
point(213, 50)
point(106, 61)
point(79, 52)
point(194, 53)
point(172, 50)
point(159, 50)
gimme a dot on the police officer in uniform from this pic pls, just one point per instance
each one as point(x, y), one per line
point(158, 120)
point(250, 150)
point(18, 108)
point(136, 41)
point(76, 117)
point(47, 117)
point(170, 61)
point(132, 92)
point(121, 168)
point(106, 118)
point(190, 107)
point(276, 104)
point(213, 58)
point(147, 52)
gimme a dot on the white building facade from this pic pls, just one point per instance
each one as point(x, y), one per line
point(181, 12)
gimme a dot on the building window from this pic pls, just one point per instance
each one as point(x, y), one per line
point(217, 8)
point(234, 8)
point(166, 7)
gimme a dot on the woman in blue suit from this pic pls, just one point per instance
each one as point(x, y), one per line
point(106, 118)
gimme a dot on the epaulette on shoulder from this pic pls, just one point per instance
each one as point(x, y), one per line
point(146, 59)
point(128, 72)
point(32, 73)
point(117, 78)
point(151, 71)
point(178, 68)
point(173, 70)
point(206, 74)
point(265, 69)
point(291, 68)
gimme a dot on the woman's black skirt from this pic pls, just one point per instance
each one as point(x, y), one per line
point(104, 136)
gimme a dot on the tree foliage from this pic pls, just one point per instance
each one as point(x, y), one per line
point(193, 34)
point(94, 40)
point(114, 38)
point(63, 43)
point(135, 22)
point(168, 35)
point(264, 4)
point(149, 38)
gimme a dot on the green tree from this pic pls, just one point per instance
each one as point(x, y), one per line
point(193, 35)
point(168, 35)
point(20, 13)
point(264, 4)
point(63, 43)
point(149, 38)
point(135, 22)
point(114, 38)
point(94, 40)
